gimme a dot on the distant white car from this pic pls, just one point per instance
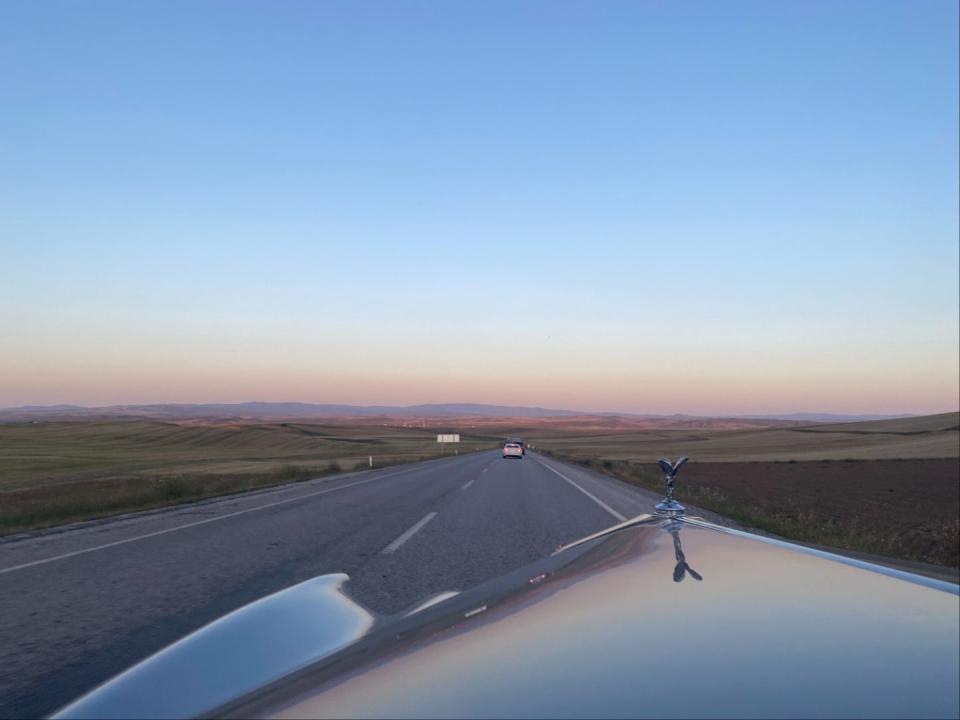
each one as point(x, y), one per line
point(513, 450)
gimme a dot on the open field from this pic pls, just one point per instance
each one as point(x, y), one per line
point(904, 509)
point(60, 471)
point(888, 487)
point(932, 436)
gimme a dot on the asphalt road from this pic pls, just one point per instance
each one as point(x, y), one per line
point(80, 604)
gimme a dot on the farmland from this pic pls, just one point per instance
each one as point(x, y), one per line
point(931, 436)
point(887, 487)
point(52, 472)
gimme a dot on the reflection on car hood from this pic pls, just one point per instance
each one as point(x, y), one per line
point(240, 652)
point(658, 618)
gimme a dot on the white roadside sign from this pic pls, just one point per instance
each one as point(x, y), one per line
point(448, 438)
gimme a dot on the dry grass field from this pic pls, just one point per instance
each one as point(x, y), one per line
point(54, 472)
point(932, 436)
point(888, 487)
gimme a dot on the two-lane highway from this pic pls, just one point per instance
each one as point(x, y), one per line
point(80, 604)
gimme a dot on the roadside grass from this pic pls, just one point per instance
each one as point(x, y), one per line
point(871, 520)
point(37, 508)
point(45, 453)
point(54, 473)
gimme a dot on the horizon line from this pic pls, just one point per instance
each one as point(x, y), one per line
point(748, 415)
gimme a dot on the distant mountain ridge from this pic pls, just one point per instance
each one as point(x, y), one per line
point(260, 409)
point(257, 409)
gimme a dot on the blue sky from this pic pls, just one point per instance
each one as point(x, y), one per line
point(693, 207)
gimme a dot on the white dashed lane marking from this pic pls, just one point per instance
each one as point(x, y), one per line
point(396, 544)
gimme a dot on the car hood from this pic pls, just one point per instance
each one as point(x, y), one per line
point(657, 618)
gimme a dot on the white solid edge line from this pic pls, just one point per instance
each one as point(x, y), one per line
point(64, 556)
point(598, 501)
point(395, 545)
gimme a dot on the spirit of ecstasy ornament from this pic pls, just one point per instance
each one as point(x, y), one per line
point(669, 506)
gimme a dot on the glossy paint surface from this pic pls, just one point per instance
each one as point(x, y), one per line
point(625, 629)
point(238, 653)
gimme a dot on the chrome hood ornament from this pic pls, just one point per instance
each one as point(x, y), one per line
point(669, 506)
